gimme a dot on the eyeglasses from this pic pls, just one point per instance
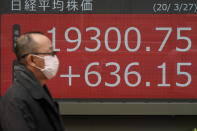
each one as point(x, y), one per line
point(36, 53)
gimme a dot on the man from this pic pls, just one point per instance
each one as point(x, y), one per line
point(28, 105)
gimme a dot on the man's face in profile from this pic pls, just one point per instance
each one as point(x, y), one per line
point(44, 48)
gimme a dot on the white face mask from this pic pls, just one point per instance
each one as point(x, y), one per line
point(51, 66)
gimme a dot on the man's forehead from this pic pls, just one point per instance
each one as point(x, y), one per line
point(51, 47)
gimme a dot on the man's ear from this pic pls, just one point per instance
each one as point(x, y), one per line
point(30, 60)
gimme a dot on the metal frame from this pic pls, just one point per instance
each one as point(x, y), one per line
point(127, 108)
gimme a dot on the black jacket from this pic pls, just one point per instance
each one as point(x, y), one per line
point(27, 106)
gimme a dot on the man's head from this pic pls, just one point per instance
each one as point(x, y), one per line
point(35, 51)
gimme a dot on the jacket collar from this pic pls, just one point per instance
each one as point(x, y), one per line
point(27, 79)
